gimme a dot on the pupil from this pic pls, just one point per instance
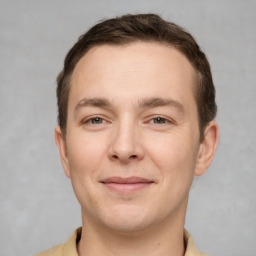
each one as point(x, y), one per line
point(159, 120)
point(97, 120)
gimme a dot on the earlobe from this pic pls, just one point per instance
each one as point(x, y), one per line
point(61, 144)
point(207, 148)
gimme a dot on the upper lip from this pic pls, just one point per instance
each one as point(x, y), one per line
point(128, 180)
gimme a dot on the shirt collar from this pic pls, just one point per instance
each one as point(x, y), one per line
point(191, 249)
point(70, 247)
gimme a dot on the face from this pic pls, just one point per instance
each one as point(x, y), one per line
point(132, 141)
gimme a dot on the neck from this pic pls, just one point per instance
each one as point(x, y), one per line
point(160, 239)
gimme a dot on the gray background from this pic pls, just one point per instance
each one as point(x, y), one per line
point(38, 208)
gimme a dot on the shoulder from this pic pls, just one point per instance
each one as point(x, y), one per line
point(54, 251)
point(67, 248)
point(191, 249)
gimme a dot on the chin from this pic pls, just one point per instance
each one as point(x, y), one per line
point(126, 219)
point(127, 227)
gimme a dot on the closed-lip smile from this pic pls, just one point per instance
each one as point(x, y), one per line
point(126, 185)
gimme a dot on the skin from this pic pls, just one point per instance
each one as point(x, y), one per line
point(132, 113)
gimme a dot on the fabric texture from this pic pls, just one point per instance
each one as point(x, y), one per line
point(69, 248)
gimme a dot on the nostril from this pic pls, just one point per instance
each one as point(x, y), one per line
point(133, 156)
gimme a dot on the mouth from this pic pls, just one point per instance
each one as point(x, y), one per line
point(126, 185)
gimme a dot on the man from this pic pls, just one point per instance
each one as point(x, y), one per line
point(136, 106)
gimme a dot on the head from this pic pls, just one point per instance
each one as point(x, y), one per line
point(128, 29)
point(136, 103)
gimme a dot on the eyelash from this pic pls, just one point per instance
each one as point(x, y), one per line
point(90, 120)
point(157, 120)
point(160, 118)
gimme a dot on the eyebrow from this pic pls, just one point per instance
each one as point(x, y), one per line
point(93, 102)
point(160, 102)
point(143, 103)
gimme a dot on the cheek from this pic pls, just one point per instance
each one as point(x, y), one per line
point(174, 159)
point(84, 157)
point(84, 154)
point(174, 156)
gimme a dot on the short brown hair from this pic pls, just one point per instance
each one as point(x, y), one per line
point(146, 28)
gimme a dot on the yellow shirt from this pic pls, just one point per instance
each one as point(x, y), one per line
point(69, 248)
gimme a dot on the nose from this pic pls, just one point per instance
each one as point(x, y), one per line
point(126, 144)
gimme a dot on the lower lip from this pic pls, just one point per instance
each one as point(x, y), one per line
point(127, 187)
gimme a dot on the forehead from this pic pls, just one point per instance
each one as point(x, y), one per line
point(116, 71)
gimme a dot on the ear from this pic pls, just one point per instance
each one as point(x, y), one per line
point(207, 148)
point(61, 144)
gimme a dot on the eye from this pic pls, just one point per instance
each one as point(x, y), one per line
point(160, 123)
point(95, 123)
point(160, 120)
point(95, 120)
